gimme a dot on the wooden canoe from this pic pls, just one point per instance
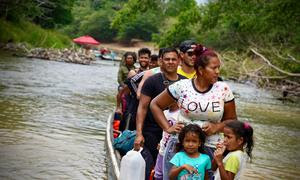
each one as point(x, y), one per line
point(113, 156)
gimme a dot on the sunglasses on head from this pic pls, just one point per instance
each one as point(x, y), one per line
point(190, 53)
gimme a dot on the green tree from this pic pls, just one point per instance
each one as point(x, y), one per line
point(140, 27)
point(19, 10)
point(98, 26)
point(237, 22)
point(181, 30)
point(138, 19)
point(175, 7)
point(47, 13)
point(54, 13)
point(94, 21)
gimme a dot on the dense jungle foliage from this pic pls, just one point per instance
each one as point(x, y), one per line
point(35, 22)
point(221, 24)
point(233, 27)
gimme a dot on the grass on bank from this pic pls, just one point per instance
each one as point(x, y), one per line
point(32, 34)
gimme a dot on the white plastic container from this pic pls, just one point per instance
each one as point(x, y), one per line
point(133, 166)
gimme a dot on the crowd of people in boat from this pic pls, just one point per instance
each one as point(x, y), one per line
point(183, 113)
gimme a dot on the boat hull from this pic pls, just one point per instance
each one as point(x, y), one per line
point(113, 157)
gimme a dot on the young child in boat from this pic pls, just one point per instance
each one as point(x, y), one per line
point(190, 162)
point(237, 135)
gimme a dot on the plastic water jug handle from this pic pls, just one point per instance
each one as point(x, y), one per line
point(138, 150)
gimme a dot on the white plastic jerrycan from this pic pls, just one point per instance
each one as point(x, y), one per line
point(133, 166)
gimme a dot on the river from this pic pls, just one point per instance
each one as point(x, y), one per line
point(53, 116)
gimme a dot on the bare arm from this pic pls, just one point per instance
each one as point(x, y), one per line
point(229, 114)
point(218, 155)
point(225, 175)
point(214, 165)
point(174, 172)
point(131, 73)
point(206, 177)
point(140, 118)
point(229, 111)
point(218, 162)
point(157, 106)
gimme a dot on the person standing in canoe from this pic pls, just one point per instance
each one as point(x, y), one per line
point(126, 65)
point(238, 138)
point(203, 100)
point(148, 132)
point(190, 162)
point(144, 60)
point(187, 57)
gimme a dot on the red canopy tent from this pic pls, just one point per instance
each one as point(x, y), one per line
point(86, 40)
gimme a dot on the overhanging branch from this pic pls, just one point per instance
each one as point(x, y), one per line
point(273, 66)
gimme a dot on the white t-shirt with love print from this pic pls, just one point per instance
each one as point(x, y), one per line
point(201, 107)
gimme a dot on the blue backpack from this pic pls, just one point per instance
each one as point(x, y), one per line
point(125, 141)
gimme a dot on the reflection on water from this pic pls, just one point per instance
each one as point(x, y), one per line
point(53, 115)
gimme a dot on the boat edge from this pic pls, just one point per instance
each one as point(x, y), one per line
point(110, 149)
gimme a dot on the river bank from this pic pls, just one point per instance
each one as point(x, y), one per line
point(251, 68)
point(133, 46)
point(76, 54)
point(68, 55)
point(265, 69)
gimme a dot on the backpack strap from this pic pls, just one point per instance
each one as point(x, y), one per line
point(167, 82)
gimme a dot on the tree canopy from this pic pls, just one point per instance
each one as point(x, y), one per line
point(46, 13)
point(221, 24)
point(239, 22)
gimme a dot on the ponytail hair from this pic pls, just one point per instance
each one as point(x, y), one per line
point(244, 130)
point(203, 55)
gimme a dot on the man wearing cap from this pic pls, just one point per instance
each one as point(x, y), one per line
point(148, 132)
point(187, 59)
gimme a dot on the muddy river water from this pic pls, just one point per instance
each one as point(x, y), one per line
point(53, 116)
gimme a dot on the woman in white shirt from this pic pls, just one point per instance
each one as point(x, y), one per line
point(203, 100)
